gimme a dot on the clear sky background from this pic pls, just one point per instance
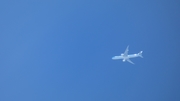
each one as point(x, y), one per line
point(61, 50)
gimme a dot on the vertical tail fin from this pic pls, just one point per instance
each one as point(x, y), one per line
point(140, 54)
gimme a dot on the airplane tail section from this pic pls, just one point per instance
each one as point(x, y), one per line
point(140, 54)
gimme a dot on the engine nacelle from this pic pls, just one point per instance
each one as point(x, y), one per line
point(123, 60)
point(122, 54)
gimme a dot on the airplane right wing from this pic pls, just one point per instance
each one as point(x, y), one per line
point(126, 51)
point(130, 61)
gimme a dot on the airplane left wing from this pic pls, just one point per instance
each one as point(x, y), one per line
point(126, 51)
point(130, 61)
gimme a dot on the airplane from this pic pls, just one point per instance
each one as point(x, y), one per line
point(127, 57)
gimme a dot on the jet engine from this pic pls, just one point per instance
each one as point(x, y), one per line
point(122, 54)
point(123, 60)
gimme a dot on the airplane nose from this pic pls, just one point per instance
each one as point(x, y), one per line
point(114, 57)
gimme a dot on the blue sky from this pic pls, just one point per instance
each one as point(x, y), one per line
point(61, 50)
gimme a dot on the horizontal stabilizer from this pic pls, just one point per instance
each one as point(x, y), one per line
point(140, 54)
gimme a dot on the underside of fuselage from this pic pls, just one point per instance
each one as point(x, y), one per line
point(133, 55)
point(117, 57)
point(125, 57)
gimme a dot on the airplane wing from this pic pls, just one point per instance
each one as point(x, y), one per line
point(130, 61)
point(126, 51)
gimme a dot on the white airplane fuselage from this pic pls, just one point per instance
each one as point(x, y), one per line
point(125, 57)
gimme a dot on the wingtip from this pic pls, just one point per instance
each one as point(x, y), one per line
point(127, 47)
